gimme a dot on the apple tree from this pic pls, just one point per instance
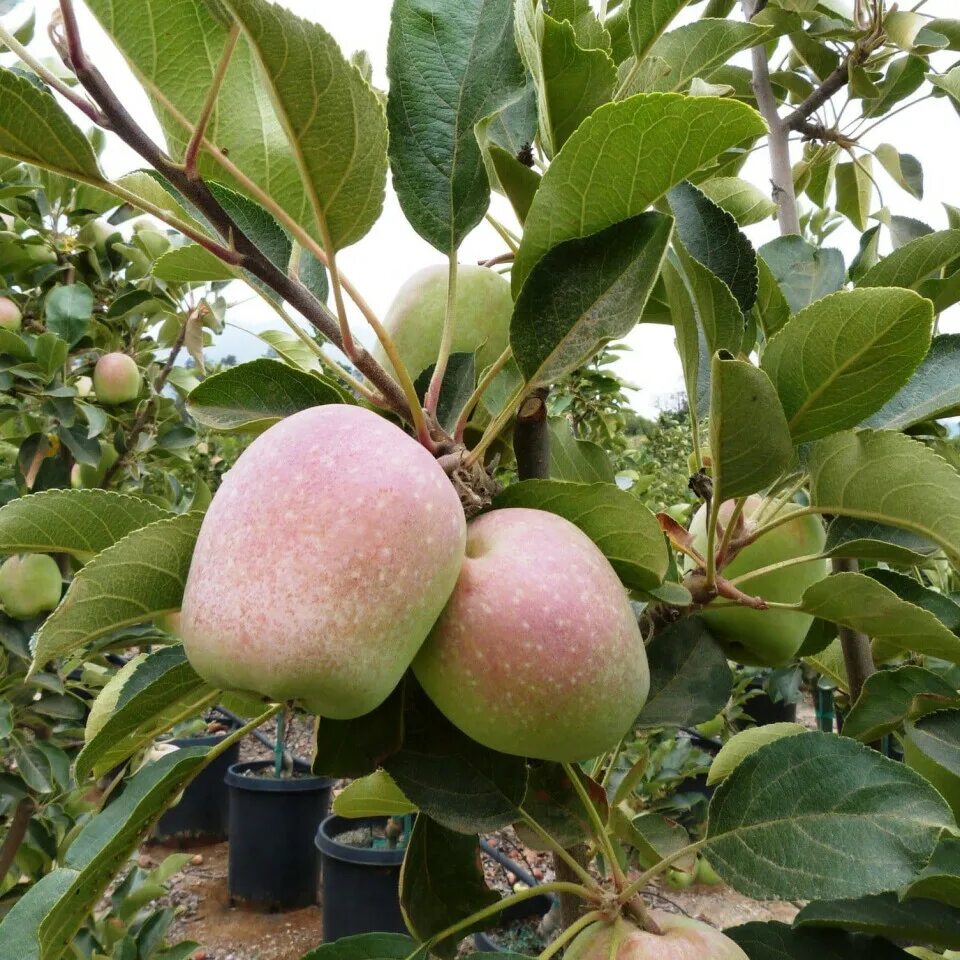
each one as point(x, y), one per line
point(477, 613)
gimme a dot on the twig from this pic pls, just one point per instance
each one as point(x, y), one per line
point(19, 823)
point(246, 253)
point(857, 656)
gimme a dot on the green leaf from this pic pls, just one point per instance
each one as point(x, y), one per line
point(915, 921)
point(451, 778)
point(68, 310)
point(891, 697)
point(861, 603)
point(516, 180)
point(746, 203)
point(626, 532)
point(251, 397)
point(719, 322)
point(693, 50)
point(571, 81)
point(191, 264)
point(948, 82)
point(578, 461)
point(333, 120)
point(685, 316)
point(741, 745)
point(888, 478)
point(78, 522)
point(554, 803)
point(456, 388)
point(855, 190)
point(375, 795)
point(613, 167)
point(802, 802)
point(139, 578)
point(749, 438)
point(442, 883)
point(711, 236)
point(838, 360)
point(944, 608)
point(937, 737)
point(584, 293)
point(355, 748)
point(145, 698)
point(646, 23)
point(654, 837)
point(931, 393)
point(771, 309)
point(903, 168)
point(804, 272)
point(771, 940)
point(450, 65)
point(45, 920)
point(903, 77)
point(367, 946)
point(940, 878)
point(35, 129)
point(916, 264)
point(870, 540)
point(690, 680)
point(292, 349)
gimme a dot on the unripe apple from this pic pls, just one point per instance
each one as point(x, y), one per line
point(323, 561)
point(170, 623)
point(681, 938)
point(946, 781)
point(679, 879)
point(10, 316)
point(89, 476)
point(29, 585)
point(484, 306)
point(538, 652)
point(116, 378)
point(767, 638)
point(97, 234)
point(706, 874)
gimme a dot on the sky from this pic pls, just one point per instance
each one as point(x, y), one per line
point(381, 261)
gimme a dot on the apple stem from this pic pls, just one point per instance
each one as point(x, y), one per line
point(628, 893)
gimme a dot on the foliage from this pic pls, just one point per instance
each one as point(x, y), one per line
point(813, 386)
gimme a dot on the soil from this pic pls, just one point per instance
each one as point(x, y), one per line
point(521, 936)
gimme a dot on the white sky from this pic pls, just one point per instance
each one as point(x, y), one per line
point(380, 262)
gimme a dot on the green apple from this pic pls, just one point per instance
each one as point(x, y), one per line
point(706, 874)
point(10, 316)
point(116, 378)
point(769, 638)
point(97, 234)
point(679, 879)
point(29, 585)
point(484, 306)
point(88, 476)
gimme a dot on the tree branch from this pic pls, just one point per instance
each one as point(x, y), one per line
point(857, 656)
point(17, 830)
point(531, 437)
point(248, 255)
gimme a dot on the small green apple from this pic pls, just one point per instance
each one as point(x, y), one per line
point(116, 378)
point(767, 638)
point(87, 475)
point(484, 306)
point(29, 585)
point(10, 316)
point(706, 874)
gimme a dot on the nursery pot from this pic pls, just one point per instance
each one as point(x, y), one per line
point(763, 710)
point(273, 864)
point(201, 814)
point(361, 886)
point(534, 907)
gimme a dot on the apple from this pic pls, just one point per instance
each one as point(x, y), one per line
point(681, 938)
point(10, 316)
point(29, 585)
point(116, 378)
point(768, 638)
point(87, 475)
point(323, 561)
point(484, 306)
point(679, 879)
point(706, 874)
point(84, 387)
point(946, 782)
point(537, 652)
point(170, 623)
point(97, 234)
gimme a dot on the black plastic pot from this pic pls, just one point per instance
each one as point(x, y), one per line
point(361, 886)
point(763, 710)
point(534, 907)
point(201, 815)
point(273, 863)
